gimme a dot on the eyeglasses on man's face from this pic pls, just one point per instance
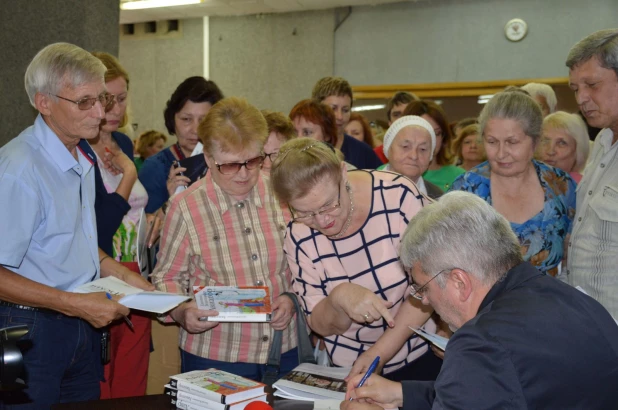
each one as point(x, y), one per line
point(232, 168)
point(418, 292)
point(87, 103)
point(298, 216)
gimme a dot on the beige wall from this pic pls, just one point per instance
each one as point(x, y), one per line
point(156, 66)
point(260, 57)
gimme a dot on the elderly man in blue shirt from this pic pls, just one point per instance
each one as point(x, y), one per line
point(47, 193)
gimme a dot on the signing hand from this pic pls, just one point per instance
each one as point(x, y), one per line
point(377, 390)
point(283, 311)
point(174, 179)
point(361, 365)
point(356, 405)
point(188, 316)
point(360, 304)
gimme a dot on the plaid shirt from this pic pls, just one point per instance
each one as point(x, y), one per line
point(210, 239)
point(369, 258)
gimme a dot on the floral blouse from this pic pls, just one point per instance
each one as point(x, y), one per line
point(541, 237)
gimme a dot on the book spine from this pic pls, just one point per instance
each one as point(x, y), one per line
point(254, 317)
point(170, 391)
point(200, 401)
point(188, 387)
point(181, 404)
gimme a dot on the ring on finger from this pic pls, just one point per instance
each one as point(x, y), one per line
point(367, 317)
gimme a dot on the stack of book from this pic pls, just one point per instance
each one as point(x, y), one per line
point(213, 389)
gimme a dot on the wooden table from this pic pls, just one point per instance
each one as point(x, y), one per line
point(159, 402)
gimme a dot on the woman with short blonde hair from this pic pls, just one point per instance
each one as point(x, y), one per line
point(148, 144)
point(227, 229)
point(565, 143)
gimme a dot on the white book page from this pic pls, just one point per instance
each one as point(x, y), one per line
point(132, 297)
point(110, 284)
point(438, 341)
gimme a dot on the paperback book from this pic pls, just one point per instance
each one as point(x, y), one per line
point(439, 341)
point(235, 303)
point(312, 382)
point(216, 385)
point(185, 400)
point(132, 297)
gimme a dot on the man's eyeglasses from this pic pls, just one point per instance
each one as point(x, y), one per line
point(306, 216)
point(418, 292)
point(88, 102)
point(232, 168)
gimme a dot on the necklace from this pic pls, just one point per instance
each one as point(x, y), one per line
point(348, 221)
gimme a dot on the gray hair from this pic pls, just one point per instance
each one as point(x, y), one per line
point(516, 106)
point(602, 44)
point(59, 65)
point(545, 91)
point(462, 231)
point(573, 125)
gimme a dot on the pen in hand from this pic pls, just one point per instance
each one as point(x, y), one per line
point(126, 319)
point(372, 368)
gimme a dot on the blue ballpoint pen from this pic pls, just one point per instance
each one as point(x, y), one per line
point(371, 369)
point(126, 319)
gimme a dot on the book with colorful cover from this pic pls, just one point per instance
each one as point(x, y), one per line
point(235, 303)
point(216, 385)
point(185, 400)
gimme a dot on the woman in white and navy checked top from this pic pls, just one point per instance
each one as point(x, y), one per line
point(343, 251)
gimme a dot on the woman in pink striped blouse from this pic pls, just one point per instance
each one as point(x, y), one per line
point(343, 250)
point(227, 230)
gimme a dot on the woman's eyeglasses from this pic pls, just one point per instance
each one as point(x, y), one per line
point(232, 168)
point(306, 216)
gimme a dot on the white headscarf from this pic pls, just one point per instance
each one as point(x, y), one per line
point(403, 122)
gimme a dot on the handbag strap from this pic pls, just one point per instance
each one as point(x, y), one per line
point(305, 350)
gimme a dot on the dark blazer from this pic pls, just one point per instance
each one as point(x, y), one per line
point(536, 343)
point(433, 191)
point(359, 153)
point(110, 208)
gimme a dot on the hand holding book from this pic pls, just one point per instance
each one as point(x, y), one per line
point(283, 311)
point(190, 317)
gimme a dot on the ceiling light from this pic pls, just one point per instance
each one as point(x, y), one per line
point(149, 4)
point(368, 107)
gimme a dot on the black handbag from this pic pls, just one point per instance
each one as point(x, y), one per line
point(305, 350)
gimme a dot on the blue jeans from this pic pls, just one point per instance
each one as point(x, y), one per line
point(253, 371)
point(62, 359)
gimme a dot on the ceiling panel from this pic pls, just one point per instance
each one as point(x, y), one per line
point(237, 7)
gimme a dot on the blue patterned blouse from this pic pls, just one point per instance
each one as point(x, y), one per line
point(541, 237)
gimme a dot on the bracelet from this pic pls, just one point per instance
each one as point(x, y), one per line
point(103, 258)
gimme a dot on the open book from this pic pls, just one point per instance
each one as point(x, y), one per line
point(312, 382)
point(438, 341)
point(132, 297)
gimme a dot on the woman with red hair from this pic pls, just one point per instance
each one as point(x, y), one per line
point(315, 120)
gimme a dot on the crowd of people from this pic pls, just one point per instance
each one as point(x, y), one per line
point(477, 230)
